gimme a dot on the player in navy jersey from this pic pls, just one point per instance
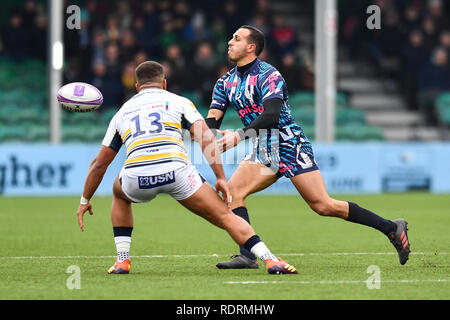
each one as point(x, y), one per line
point(259, 94)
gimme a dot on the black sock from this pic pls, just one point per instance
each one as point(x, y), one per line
point(242, 212)
point(368, 218)
point(122, 231)
point(251, 242)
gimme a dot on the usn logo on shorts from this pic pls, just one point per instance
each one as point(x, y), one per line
point(156, 181)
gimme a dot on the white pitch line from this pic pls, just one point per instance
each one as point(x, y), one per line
point(335, 282)
point(217, 255)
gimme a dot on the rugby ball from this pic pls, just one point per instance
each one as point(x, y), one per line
point(80, 97)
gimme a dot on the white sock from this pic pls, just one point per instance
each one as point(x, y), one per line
point(123, 248)
point(261, 251)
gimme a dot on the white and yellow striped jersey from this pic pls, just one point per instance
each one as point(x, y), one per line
point(150, 126)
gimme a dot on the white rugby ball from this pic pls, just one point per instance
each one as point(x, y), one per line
point(80, 97)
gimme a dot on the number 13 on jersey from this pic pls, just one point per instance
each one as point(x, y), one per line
point(144, 123)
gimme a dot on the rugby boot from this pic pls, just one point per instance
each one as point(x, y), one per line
point(400, 241)
point(238, 261)
point(280, 267)
point(120, 267)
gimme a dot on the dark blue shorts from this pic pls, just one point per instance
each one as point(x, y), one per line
point(288, 154)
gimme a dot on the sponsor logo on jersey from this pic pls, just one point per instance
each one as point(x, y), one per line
point(254, 108)
point(149, 182)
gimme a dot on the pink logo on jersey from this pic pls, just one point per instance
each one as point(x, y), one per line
point(252, 80)
point(231, 84)
point(272, 85)
point(250, 109)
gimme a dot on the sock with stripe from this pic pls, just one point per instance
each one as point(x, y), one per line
point(259, 249)
point(365, 217)
point(122, 239)
point(243, 213)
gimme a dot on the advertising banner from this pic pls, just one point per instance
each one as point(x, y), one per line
point(38, 170)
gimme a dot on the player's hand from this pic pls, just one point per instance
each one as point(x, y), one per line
point(81, 211)
point(222, 188)
point(229, 140)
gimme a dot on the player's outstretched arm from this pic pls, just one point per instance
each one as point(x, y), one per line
point(94, 177)
point(267, 120)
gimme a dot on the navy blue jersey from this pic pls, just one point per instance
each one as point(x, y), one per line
point(246, 93)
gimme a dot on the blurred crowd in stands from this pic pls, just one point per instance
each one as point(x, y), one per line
point(188, 37)
point(412, 46)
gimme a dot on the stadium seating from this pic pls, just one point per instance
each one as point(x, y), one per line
point(443, 108)
point(358, 132)
point(307, 99)
point(38, 133)
point(24, 113)
point(13, 133)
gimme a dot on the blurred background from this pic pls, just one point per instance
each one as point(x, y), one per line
point(393, 83)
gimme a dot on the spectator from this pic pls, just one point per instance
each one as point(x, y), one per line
point(204, 71)
point(391, 39)
point(196, 31)
point(284, 39)
point(152, 24)
point(168, 35)
point(112, 60)
point(220, 38)
point(175, 59)
point(124, 12)
point(233, 17)
point(112, 29)
point(128, 45)
point(291, 72)
point(181, 16)
point(436, 11)
point(16, 38)
point(434, 78)
point(40, 37)
point(444, 41)
point(128, 80)
point(110, 87)
point(414, 54)
point(143, 39)
point(29, 13)
point(411, 18)
point(430, 32)
point(98, 46)
point(168, 74)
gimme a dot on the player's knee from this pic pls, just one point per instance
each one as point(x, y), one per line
point(223, 220)
point(237, 193)
point(323, 208)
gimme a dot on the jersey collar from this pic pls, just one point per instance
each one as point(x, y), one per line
point(248, 67)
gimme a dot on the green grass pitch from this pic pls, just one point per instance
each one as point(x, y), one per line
point(174, 252)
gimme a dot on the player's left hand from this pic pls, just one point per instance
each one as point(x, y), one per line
point(229, 140)
point(81, 211)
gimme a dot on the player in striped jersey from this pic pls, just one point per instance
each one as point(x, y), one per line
point(150, 126)
point(258, 93)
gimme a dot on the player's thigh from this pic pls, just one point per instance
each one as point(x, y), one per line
point(206, 203)
point(250, 177)
point(118, 192)
point(311, 187)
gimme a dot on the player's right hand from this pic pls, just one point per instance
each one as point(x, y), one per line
point(223, 188)
point(229, 140)
point(81, 211)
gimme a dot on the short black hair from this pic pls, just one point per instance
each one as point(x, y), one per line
point(255, 37)
point(149, 72)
